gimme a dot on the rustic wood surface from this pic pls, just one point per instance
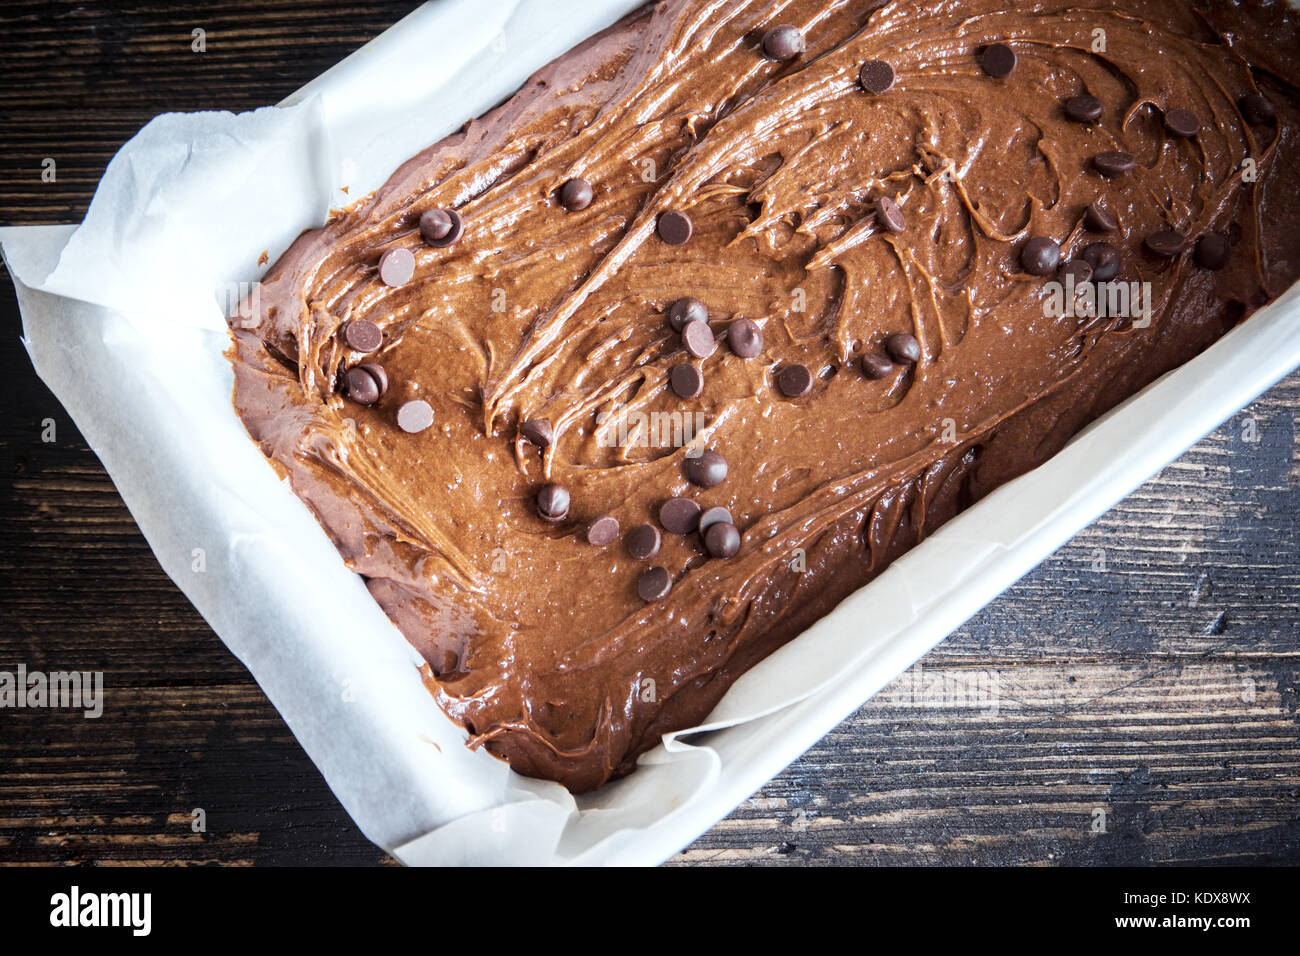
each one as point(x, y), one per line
point(1136, 695)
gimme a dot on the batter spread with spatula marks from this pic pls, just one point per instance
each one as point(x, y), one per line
point(640, 374)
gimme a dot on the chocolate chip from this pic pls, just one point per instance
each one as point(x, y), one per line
point(876, 77)
point(707, 469)
point(745, 338)
point(783, 43)
point(722, 540)
point(1099, 219)
point(685, 379)
point(685, 310)
point(440, 227)
point(643, 541)
point(793, 380)
point(889, 215)
point(363, 336)
point(380, 376)
point(414, 416)
point(997, 60)
point(360, 386)
point(1040, 256)
point(1212, 251)
point(538, 431)
point(1113, 163)
point(679, 515)
point(1083, 108)
point(1182, 122)
point(903, 348)
point(654, 585)
point(698, 340)
point(576, 194)
point(875, 365)
point(603, 530)
point(674, 227)
point(396, 266)
point(1078, 269)
point(1104, 259)
point(552, 503)
point(1256, 109)
point(1165, 243)
point(713, 516)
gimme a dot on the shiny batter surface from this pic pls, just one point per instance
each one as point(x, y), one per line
point(538, 641)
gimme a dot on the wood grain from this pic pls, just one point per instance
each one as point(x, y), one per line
point(1159, 694)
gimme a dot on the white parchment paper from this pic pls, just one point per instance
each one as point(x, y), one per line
point(123, 319)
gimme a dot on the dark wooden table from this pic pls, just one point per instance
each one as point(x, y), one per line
point(1147, 712)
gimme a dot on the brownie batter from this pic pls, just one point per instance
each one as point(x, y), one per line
point(630, 381)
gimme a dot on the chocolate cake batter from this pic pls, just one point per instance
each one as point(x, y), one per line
point(627, 383)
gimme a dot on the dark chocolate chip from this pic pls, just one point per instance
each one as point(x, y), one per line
point(713, 516)
point(793, 380)
point(1104, 259)
point(1165, 243)
point(363, 336)
point(1078, 269)
point(685, 310)
point(414, 416)
point(698, 340)
point(1212, 251)
point(889, 215)
point(643, 541)
point(903, 348)
point(783, 43)
point(441, 227)
point(1257, 110)
point(1182, 122)
point(875, 365)
point(745, 338)
point(1113, 163)
point(538, 431)
point(552, 503)
point(1099, 219)
point(576, 194)
point(1040, 256)
point(674, 227)
point(360, 386)
point(654, 585)
point(381, 377)
point(876, 77)
point(603, 530)
point(679, 515)
point(722, 540)
point(707, 469)
point(685, 379)
point(997, 60)
point(1083, 108)
point(435, 224)
point(396, 266)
